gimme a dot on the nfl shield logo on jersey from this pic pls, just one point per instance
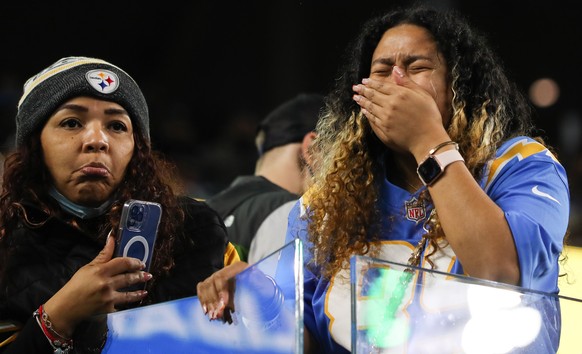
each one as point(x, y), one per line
point(415, 210)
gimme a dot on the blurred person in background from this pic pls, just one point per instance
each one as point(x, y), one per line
point(255, 207)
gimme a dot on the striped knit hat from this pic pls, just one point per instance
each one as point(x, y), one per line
point(73, 77)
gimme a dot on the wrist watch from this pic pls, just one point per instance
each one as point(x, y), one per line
point(434, 165)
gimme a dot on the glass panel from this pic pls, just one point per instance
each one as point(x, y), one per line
point(399, 309)
point(269, 316)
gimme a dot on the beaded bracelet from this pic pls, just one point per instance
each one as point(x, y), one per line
point(59, 343)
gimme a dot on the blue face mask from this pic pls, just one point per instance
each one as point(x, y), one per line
point(79, 211)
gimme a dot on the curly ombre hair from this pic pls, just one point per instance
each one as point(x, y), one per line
point(149, 176)
point(487, 109)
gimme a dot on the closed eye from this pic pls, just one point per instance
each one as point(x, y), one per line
point(382, 72)
point(381, 69)
point(419, 68)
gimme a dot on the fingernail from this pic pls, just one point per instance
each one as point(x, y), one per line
point(357, 98)
point(221, 304)
point(205, 309)
point(398, 71)
point(365, 80)
point(147, 276)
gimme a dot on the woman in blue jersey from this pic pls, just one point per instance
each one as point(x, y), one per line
point(425, 149)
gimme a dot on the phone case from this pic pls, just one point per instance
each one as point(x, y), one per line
point(138, 230)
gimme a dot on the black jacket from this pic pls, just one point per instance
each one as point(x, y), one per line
point(44, 258)
point(244, 205)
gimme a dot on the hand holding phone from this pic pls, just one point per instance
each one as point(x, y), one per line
point(138, 230)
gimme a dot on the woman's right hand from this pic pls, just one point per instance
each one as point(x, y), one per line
point(216, 292)
point(93, 289)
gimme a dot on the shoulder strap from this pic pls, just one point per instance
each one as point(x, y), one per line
point(229, 199)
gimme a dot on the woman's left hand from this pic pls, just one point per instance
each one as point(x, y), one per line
point(402, 114)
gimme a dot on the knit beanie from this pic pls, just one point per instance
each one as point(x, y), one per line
point(73, 77)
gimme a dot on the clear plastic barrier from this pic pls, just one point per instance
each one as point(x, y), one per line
point(268, 317)
point(401, 309)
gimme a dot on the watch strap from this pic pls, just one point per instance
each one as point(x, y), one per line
point(446, 158)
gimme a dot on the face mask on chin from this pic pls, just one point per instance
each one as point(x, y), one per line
point(77, 210)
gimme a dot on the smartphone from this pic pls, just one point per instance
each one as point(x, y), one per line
point(138, 229)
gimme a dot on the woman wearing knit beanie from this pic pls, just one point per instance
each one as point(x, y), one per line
point(82, 150)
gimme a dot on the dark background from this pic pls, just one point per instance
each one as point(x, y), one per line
point(211, 70)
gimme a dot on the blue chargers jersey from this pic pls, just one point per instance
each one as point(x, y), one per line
point(525, 180)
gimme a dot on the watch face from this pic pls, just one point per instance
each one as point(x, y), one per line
point(429, 170)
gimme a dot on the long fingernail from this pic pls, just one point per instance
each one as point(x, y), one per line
point(398, 71)
point(205, 309)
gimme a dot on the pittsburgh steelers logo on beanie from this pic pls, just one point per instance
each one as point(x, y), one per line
point(103, 80)
point(73, 77)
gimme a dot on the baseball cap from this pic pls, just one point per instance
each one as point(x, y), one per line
point(289, 122)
